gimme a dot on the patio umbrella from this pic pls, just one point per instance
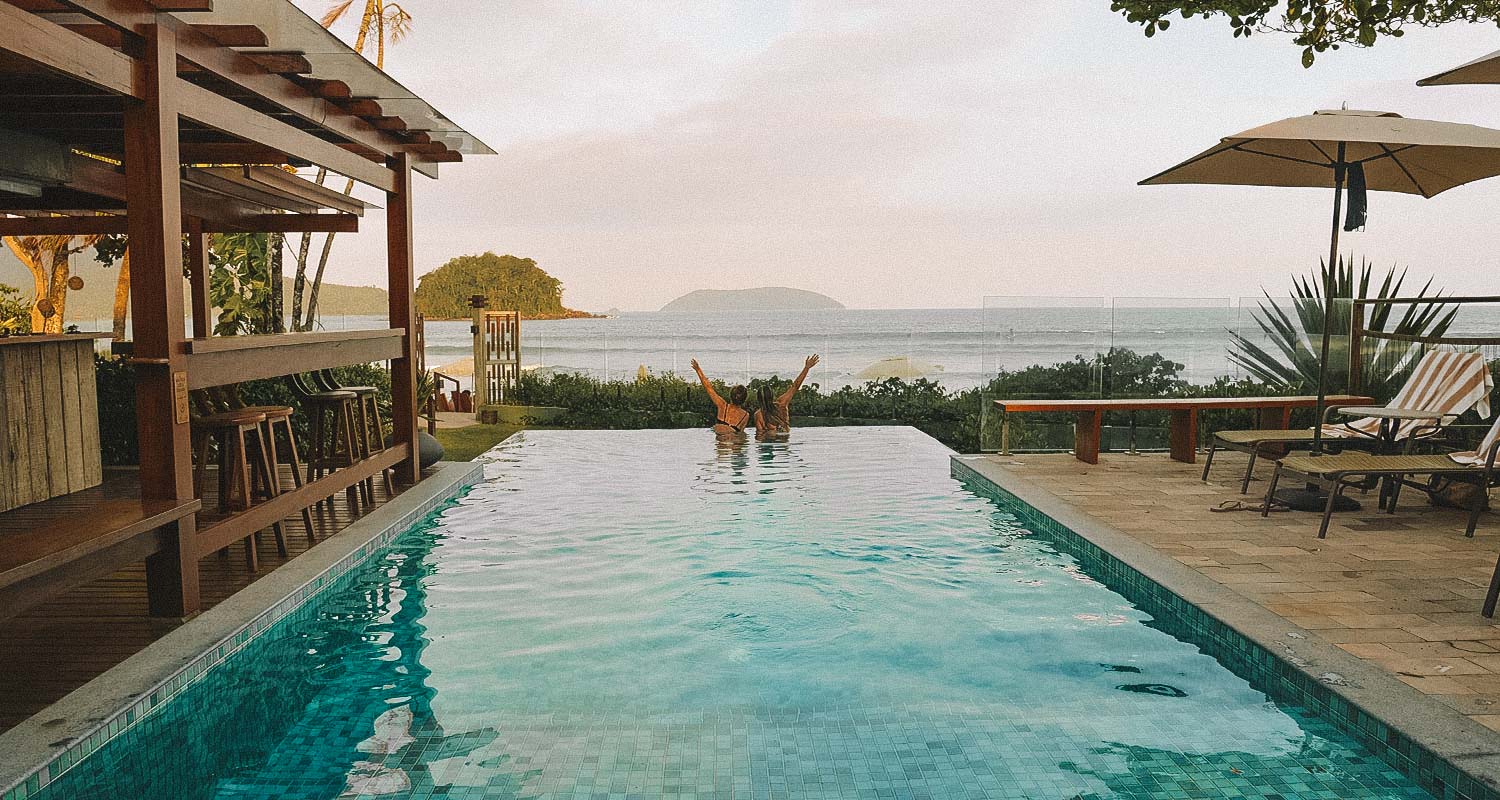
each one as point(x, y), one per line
point(1374, 150)
point(1485, 69)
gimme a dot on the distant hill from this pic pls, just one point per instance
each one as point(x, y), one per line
point(765, 298)
point(93, 305)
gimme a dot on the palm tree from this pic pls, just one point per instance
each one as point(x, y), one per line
point(1291, 363)
point(391, 23)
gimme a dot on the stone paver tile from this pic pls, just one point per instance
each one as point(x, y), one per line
point(1491, 721)
point(1441, 685)
point(1448, 633)
point(1451, 667)
point(1377, 620)
point(1444, 650)
point(1352, 635)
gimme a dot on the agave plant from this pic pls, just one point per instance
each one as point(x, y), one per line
point(1290, 361)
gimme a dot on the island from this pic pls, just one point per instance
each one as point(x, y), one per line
point(765, 298)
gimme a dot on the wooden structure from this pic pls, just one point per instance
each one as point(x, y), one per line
point(497, 356)
point(165, 119)
point(49, 418)
point(1275, 412)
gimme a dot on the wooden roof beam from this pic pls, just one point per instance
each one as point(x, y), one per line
point(118, 223)
point(221, 113)
point(46, 43)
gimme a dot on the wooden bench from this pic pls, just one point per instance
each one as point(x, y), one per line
point(1275, 412)
point(50, 547)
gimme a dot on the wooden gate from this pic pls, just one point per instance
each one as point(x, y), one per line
point(497, 356)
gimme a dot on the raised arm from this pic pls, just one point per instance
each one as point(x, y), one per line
point(707, 386)
point(786, 397)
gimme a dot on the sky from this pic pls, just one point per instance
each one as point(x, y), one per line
point(901, 154)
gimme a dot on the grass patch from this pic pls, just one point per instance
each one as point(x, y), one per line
point(464, 444)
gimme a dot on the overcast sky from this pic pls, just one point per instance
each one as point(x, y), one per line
point(899, 154)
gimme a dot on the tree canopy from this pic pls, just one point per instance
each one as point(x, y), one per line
point(507, 283)
point(1315, 25)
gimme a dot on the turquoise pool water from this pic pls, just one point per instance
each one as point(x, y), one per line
point(648, 614)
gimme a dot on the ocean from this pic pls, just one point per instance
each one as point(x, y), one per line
point(960, 348)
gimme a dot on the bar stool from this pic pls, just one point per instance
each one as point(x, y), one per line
point(331, 414)
point(236, 434)
point(229, 397)
point(371, 426)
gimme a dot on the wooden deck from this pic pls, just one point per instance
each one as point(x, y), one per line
point(1401, 591)
point(51, 649)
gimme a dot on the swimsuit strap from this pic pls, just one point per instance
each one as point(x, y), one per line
point(740, 428)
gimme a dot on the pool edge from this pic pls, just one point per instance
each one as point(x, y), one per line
point(1403, 712)
point(47, 744)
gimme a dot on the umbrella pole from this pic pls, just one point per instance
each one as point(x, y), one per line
point(1332, 266)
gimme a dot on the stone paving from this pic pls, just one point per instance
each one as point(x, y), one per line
point(1400, 591)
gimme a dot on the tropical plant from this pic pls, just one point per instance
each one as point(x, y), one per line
point(1290, 361)
point(1315, 25)
point(15, 313)
point(391, 23)
point(239, 283)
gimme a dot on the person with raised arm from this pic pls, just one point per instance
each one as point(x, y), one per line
point(773, 415)
point(731, 418)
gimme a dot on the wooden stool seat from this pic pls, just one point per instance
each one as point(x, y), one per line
point(237, 433)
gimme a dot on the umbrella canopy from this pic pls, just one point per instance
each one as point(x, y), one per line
point(1389, 152)
point(1485, 69)
point(1412, 156)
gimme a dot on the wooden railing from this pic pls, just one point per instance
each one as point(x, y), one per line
point(221, 360)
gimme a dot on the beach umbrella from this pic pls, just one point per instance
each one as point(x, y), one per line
point(1345, 149)
point(1485, 69)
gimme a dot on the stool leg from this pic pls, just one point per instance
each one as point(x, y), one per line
point(367, 486)
point(378, 429)
point(267, 469)
point(291, 444)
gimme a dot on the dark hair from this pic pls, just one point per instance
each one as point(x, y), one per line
point(738, 395)
point(767, 401)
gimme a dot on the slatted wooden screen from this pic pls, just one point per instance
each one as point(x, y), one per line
point(497, 357)
point(49, 439)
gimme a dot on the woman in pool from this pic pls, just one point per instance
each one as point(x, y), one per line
point(731, 418)
point(773, 416)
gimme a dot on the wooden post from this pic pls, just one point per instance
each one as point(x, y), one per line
point(1088, 429)
point(197, 253)
point(154, 209)
point(1184, 435)
point(399, 284)
point(1356, 343)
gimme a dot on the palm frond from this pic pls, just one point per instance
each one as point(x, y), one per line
point(335, 13)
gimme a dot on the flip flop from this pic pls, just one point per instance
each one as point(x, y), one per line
point(1241, 505)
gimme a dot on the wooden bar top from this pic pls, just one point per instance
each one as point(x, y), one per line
point(47, 338)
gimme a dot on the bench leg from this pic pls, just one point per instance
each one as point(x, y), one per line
point(1275, 417)
point(1213, 446)
point(1185, 435)
point(1088, 429)
point(1249, 471)
point(172, 573)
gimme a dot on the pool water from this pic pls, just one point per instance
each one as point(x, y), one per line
point(652, 613)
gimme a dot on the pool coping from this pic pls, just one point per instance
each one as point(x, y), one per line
point(47, 744)
point(1429, 724)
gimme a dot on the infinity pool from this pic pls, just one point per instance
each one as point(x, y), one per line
point(647, 614)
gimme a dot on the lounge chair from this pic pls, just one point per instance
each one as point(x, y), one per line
point(1443, 381)
point(1338, 472)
